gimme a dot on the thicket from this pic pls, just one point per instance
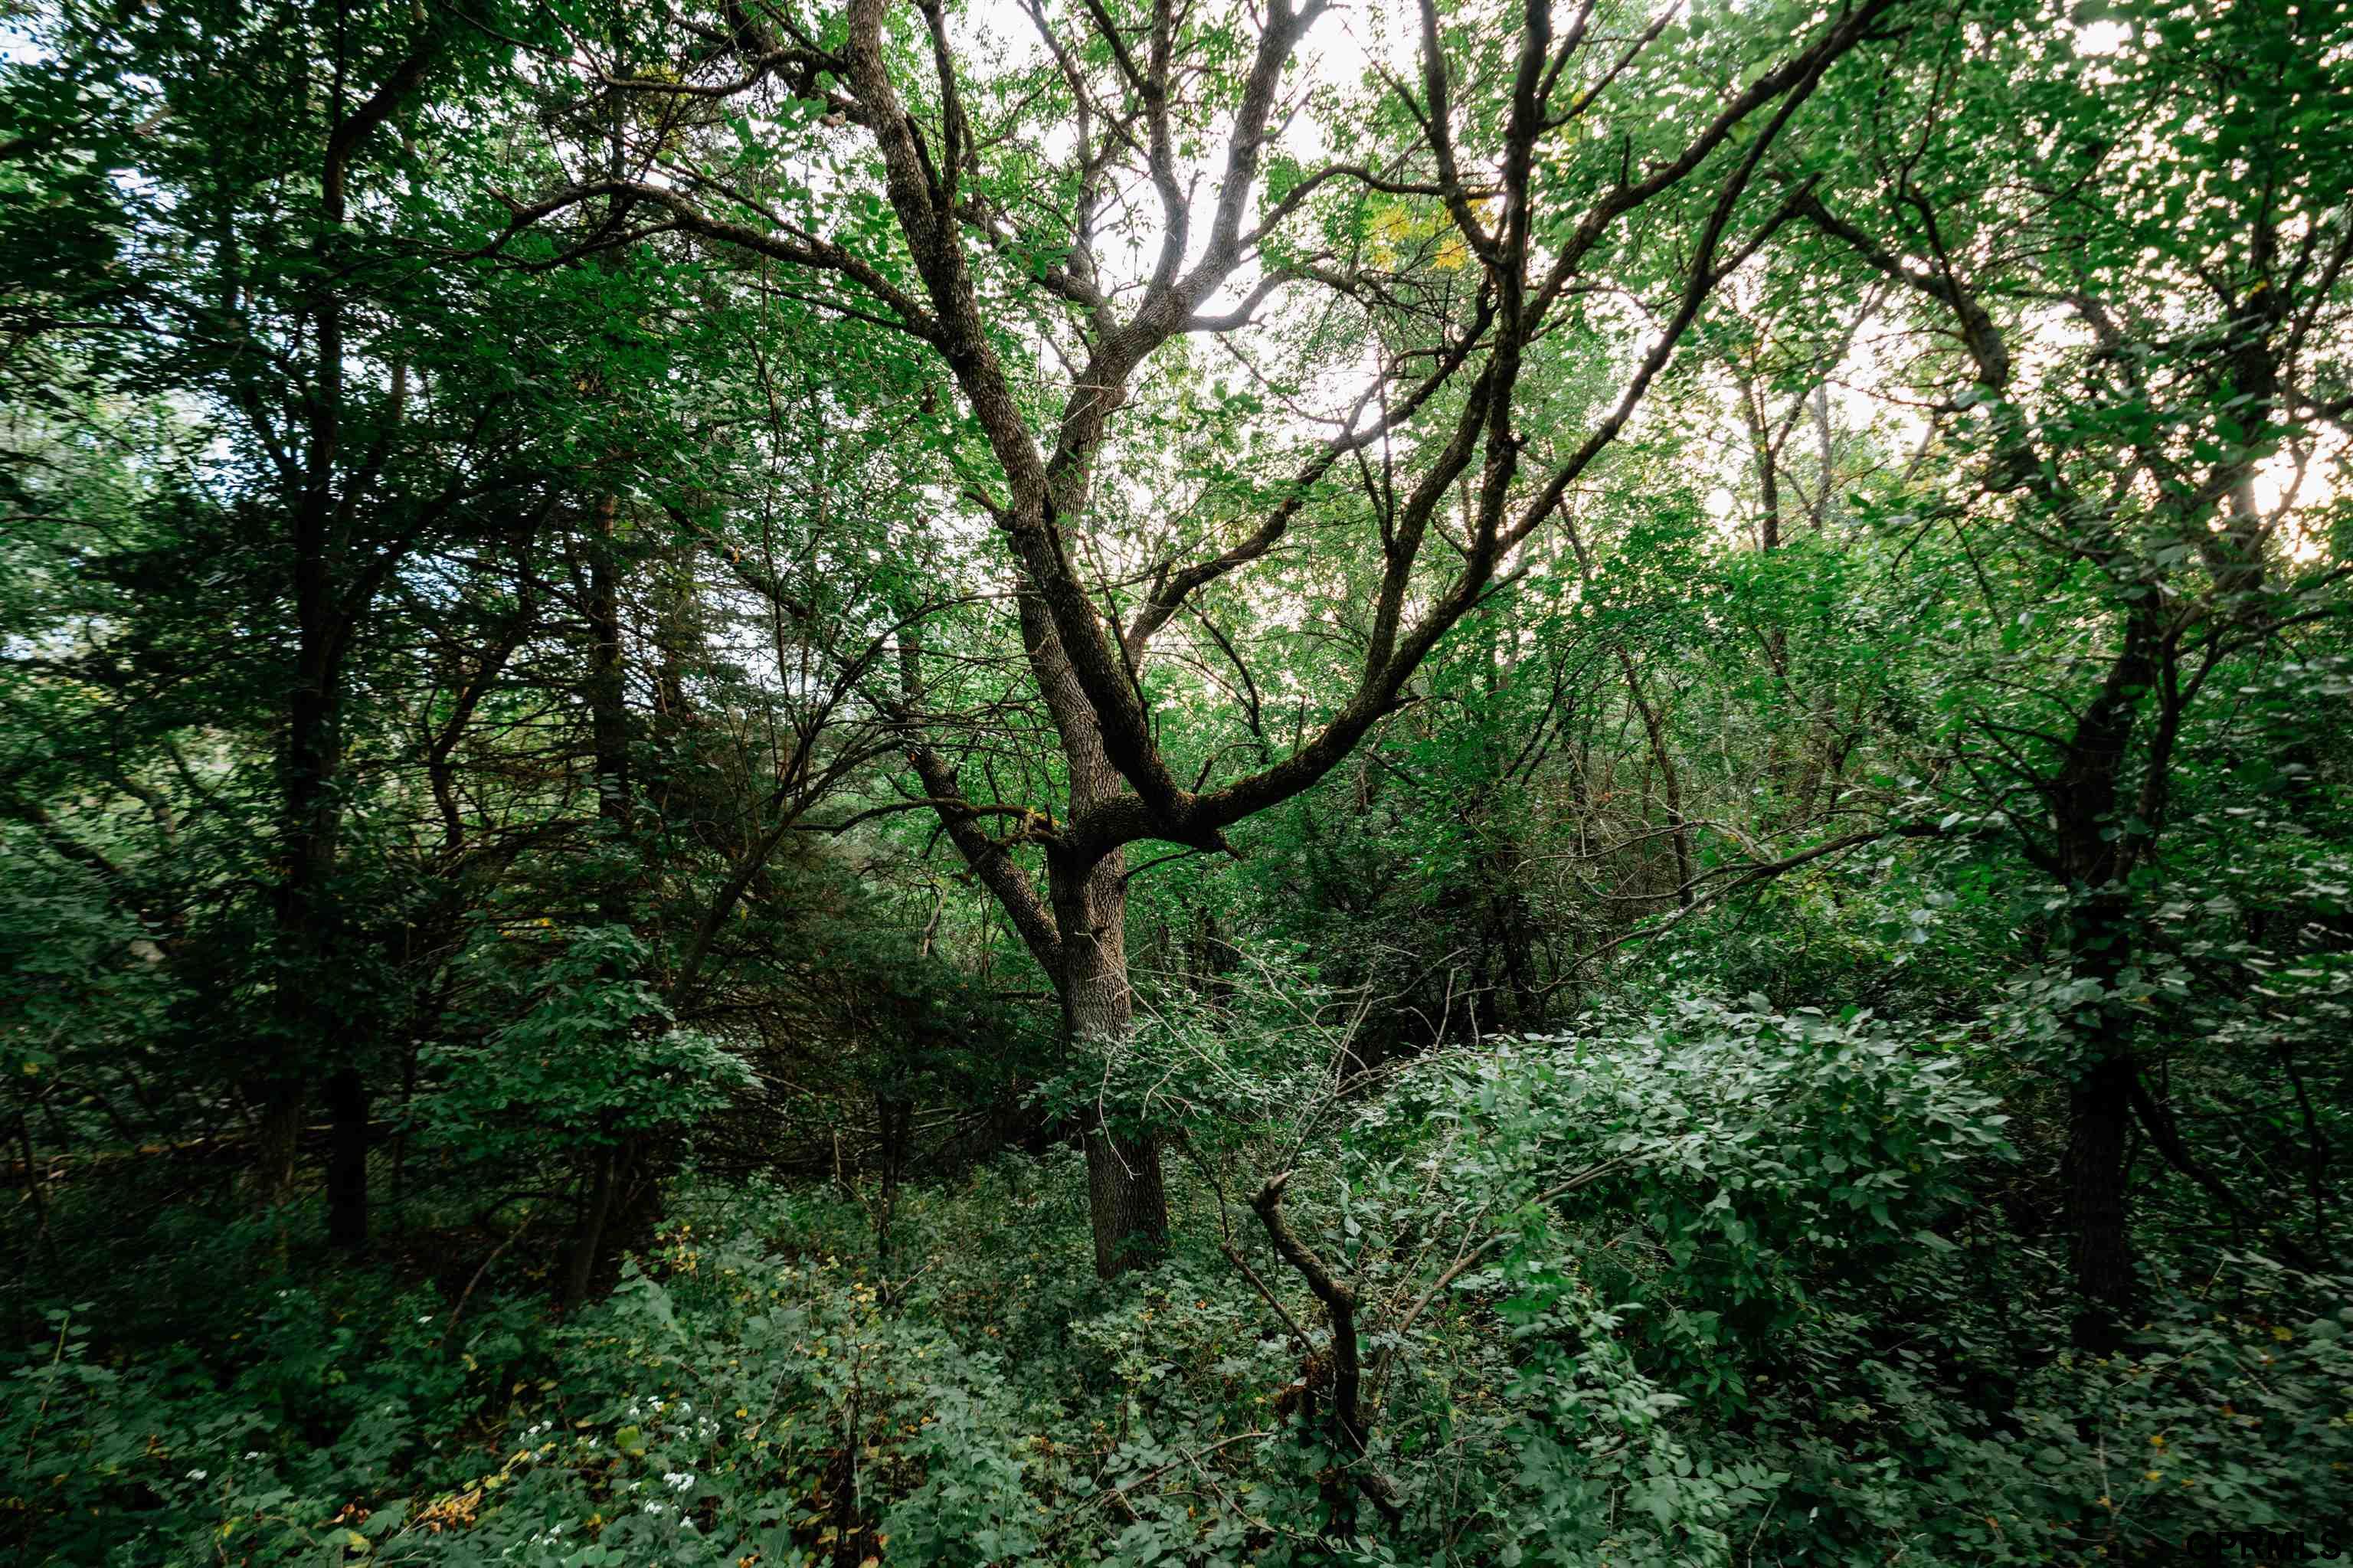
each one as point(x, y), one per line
point(1175, 783)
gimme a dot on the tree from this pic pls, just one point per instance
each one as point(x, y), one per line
point(293, 262)
point(2184, 212)
point(1559, 183)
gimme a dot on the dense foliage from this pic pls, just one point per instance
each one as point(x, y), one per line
point(1167, 781)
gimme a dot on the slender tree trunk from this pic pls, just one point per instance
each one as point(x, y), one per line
point(608, 720)
point(310, 1033)
point(1768, 540)
point(1671, 782)
point(38, 1197)
point(1654, 730)
point(607, 695)
point(1763, 452)
point(1826, 506)
point(589, 1234)
point(278, 1101)
point(347, 1159)
point(895, 1120)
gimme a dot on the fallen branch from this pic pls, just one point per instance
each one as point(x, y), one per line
point(2167, 1142)
point(1347, 1367)
point(1740, 877)
point(1117, 1493)
point(468, 1294)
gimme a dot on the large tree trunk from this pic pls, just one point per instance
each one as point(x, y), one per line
point(1126, 1198)
point(310, 823)
point(2099, 1117)
point(2099, 1241)
point(2096, 851)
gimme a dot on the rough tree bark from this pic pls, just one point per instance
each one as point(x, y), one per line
point(1127, 1201)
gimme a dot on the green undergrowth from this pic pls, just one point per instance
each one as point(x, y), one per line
point(1777, 1326)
